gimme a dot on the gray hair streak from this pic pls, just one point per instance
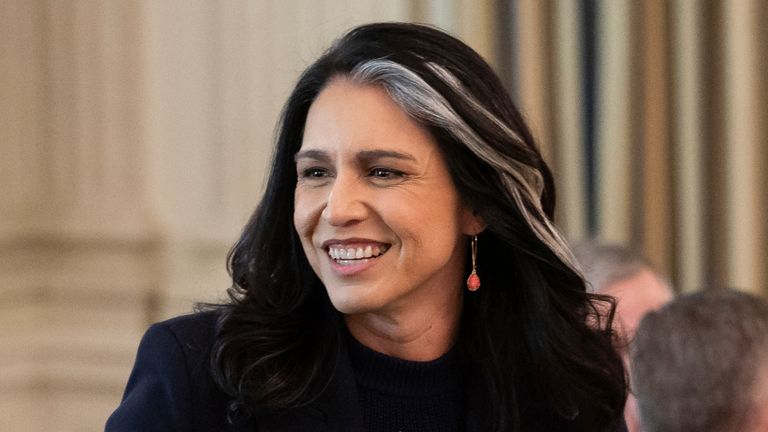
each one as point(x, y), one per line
point(523, 184)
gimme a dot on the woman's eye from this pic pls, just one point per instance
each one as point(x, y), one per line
point(385, 173)
point(314, 173)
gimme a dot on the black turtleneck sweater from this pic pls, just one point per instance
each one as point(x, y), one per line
point(405, 396)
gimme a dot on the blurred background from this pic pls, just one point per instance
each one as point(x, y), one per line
point(135, 134)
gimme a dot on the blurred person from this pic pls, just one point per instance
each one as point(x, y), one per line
point(402, 175)
point(700, 363)
point(627, 276)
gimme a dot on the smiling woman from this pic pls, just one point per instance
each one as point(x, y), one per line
point(378, 178)
point(401, 168)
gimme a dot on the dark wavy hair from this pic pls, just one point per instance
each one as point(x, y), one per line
point(532, 334)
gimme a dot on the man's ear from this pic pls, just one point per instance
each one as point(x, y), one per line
point(472, 223)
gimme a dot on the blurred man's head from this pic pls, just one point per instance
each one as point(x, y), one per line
point(701, 364)
point(628, 277)
point(619, 272)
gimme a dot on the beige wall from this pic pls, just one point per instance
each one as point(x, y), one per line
point(135, 136)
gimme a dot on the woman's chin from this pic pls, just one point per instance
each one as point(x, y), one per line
point(351, 306)
point(353, 301)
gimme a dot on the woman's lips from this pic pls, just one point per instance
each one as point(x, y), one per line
point(348, 258)
point(356, 252)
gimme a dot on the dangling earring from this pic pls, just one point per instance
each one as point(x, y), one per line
point(473, 281)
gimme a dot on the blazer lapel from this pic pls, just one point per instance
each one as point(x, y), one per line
point(293, 420)
point(335, 410)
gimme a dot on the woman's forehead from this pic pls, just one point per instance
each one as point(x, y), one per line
point(362, 119)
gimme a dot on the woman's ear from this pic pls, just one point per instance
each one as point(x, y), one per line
point(472, 223)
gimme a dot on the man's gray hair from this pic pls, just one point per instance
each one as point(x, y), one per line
point(697, 361)
point(604, 264)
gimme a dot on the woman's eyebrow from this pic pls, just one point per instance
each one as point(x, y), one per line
point(319, 155)
point(371, 155)
point(363, 156)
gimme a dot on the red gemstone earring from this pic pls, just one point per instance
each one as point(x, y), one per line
point(473, 281)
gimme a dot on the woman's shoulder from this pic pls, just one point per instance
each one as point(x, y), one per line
point(194, 331)
point(170, 387)
point(185, 339)
point(190, 336)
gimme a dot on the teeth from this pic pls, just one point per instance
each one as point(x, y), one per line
point(339, 253)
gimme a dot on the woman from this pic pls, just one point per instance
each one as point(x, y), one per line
point(401, 272)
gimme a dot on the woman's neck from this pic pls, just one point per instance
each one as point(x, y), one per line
point(414, 334)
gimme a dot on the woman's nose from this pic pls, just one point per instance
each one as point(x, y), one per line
point(346, 202)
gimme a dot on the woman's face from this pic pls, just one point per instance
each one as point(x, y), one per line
point(378, 215)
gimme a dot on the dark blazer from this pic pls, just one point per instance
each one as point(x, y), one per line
point(171, 389)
